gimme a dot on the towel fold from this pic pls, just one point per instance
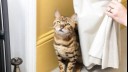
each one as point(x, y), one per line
point(98, 34)
point(104, 46)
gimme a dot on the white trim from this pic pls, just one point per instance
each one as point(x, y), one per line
point(30, 35)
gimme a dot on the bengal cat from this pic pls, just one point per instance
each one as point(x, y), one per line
point(66, 42)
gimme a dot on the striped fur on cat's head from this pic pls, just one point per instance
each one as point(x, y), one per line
point(64, 25)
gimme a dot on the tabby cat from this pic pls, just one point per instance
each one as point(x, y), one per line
point(65, 42)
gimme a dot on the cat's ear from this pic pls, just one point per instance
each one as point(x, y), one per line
point(74, 17)
point(57, 14)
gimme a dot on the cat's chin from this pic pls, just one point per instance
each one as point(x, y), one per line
point(61, 33)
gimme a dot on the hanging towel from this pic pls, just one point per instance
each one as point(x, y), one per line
point(98, 34)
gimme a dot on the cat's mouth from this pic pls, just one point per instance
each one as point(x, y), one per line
point(61, 30)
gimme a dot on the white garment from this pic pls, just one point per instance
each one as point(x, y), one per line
point(123, 65)
point(98, 34)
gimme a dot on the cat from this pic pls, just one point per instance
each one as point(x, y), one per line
point(66, 42)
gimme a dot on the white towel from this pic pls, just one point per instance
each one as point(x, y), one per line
point(98, 34)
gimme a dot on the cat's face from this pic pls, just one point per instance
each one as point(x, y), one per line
point(64, 25)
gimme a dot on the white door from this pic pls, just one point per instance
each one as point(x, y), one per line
point(22, 22)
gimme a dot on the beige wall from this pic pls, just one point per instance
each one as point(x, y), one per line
point(123, 65)
point(46, 58)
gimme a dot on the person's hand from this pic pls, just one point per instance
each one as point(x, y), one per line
point(118, 12)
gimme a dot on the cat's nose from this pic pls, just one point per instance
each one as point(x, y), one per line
point(61, 26)
point(60, 30)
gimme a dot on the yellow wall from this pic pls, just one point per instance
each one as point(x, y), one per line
point(124, 2)
point(45, 13)
point(46, 58)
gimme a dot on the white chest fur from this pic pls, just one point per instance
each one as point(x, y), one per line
point(62, 51)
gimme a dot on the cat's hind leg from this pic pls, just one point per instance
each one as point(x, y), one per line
point(78, 67)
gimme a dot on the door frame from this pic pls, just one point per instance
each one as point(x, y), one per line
point(30, 32)
point(5, 57)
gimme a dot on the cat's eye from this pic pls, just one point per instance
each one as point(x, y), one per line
point(67, 23)
point(58, 22)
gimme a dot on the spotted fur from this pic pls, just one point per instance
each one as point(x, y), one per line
point(65, 42)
